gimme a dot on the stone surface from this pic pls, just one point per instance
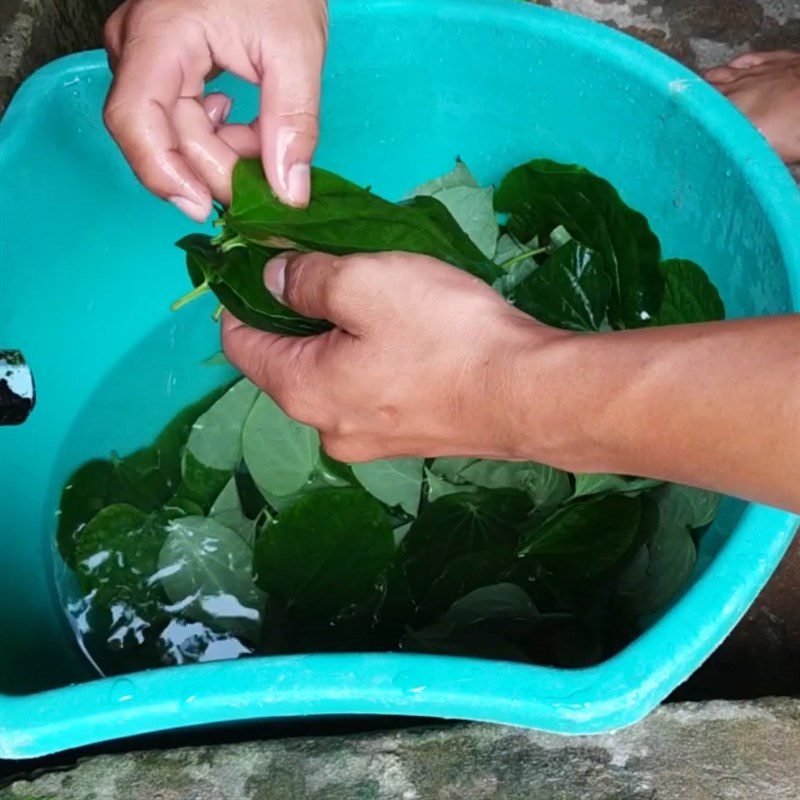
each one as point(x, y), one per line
point(709, 751)
point(33, 32)
point(701, 33)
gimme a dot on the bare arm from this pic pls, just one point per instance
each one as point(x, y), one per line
point(714, 405)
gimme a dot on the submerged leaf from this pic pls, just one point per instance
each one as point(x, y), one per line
point(215, 439)
point(439, 487)
point(206, 571)
point(464, 574)
point(396, 482)
point(117, 558)
point(666, 562)
point(501, 600)
point(214, 447)
point(591, 483)
point(456, 525)
point(227, 511)
point(586, 538)
point(451, 467)
point(281, 454)
point(475, 624)
point(325, 551)
point(546, 486)
point(145, 479)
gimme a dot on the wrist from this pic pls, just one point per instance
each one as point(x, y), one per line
point(559, 399)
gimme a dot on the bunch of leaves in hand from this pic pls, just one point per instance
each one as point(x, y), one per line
point(570, 253)
point(234, 533)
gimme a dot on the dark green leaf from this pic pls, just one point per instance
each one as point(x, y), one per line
point(689, 296)
point(664, 565)
point(98, 484)
point(479, 625)
point(343, 218)
point(178, 506)
point(586, 538)
point(541, 195)
point(251, 499)
point(237, 279)
point(456, 525)
point(325, 551)
point(498, 601)
point(570, 290)
point(464, 574)
point(687, 505)
point(199, 483)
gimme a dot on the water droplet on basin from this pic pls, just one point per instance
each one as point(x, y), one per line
point(122, 690)
point(409, 682)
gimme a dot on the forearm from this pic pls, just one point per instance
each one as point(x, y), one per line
point(715, 405)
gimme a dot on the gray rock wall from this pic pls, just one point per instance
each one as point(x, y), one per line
point(33, 32)
point(711, 751)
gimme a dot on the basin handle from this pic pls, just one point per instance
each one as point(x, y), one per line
point(17, 389)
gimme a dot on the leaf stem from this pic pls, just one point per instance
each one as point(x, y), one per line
point(218, 312)
point(234, 241)
point(189, 296)
point(506, 265)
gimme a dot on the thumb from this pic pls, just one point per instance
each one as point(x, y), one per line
point(290, 96)
point(319, 286)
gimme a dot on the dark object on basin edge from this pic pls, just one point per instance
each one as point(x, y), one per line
point(17, 390)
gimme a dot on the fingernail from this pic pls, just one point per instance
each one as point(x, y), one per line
point(190, 208)
point(275, 276)
point(298, 185)
point(218, 113)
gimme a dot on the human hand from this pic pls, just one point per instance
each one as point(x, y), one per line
point(766, 88)
point(422, 362)
point(175, 139)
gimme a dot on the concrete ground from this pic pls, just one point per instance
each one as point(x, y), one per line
point(708, 751)
point(718, 750)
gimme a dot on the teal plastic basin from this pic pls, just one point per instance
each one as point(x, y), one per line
point(88, 271)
